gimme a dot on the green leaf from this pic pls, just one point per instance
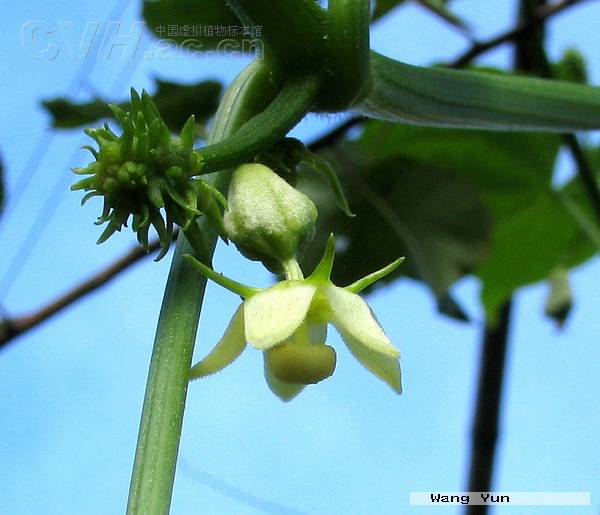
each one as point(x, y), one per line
point(433, 218)
point(67, 114)
point(426, 189)
point(535, 229)
point(184, 15)
point(501, 166)
point(549, 230)
point(512, 173)
point(176, 102)
point(439, 97)
point(322, 166)
point(528, 246)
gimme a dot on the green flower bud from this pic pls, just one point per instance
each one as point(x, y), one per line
point(301, 364)
point(267, 219)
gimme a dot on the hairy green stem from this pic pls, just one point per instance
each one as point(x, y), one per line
point(162, 417)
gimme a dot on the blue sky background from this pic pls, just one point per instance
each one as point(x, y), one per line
point(71, 391)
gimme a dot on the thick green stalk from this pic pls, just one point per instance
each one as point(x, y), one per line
point(347, 69)
point(439, 97)
point(296, 98)
point(293, 30)
point(160, 428)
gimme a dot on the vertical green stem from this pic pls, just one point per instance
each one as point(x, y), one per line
point(162, 417)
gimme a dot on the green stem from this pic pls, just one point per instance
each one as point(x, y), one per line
point(296, 98)
point(293, 30)
point(198, 239)
point(162, 417)
point(438, 97)
point(347, 69)
point(292, 270)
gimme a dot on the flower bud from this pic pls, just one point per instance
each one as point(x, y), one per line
point(267, 219)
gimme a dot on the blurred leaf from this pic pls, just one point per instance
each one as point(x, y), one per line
point(571, 67)
point(534, 231)
point(593, 155)
point(554, 229)
point(438, 7)
point(420, 191)
point(502, 166)
point(448, 306)
point(403, 209)
point(528, 246)
point(67, 114)
point(383, 7)
point(438, 97)
point(322, 166)
point(560, 297)
point(176, 102)
point(182, 14)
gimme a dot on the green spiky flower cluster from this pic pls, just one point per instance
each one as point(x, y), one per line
point(147, 174)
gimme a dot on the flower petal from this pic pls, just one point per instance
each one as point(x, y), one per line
point(351, 315)
point(230, 346)
point(381, 365)
point(285, 391)
point(272, 315)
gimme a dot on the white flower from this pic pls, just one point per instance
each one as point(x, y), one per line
point(288, 321)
